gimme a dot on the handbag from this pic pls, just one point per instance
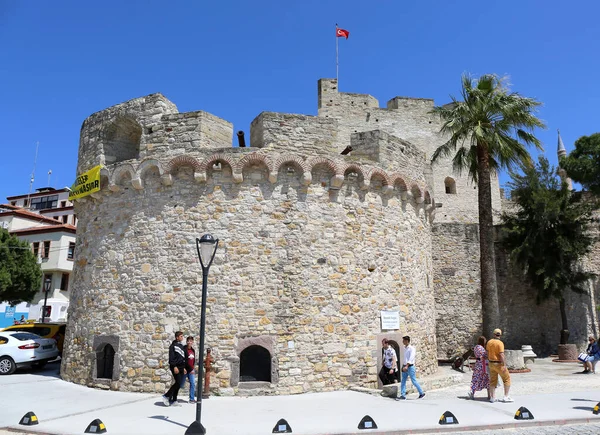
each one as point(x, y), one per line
point(583, 357)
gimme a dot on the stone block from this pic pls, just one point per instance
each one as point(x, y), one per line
point(390, 390)
point(514, 359)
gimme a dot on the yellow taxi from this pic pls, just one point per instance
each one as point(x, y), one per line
point(46, 330)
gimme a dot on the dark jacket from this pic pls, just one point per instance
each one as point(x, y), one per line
point(177, 354)
point(593, 349)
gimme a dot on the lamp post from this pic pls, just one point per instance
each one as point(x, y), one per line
point(47, 285)
point(207, 248)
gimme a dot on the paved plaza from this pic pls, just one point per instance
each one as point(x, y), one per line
point(560, 399)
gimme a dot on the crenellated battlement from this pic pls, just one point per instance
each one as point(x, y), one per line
point(148, 127)
point(275, 168)
point(349, 128)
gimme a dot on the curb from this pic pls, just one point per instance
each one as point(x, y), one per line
point(22, 431)
point(476, 428)
point(447, 429)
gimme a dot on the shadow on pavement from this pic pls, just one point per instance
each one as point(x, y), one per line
point(475, 399)
point(165, 418)
point(583, 400)
point(159, 403)
point(51, 370)
point(584, 408)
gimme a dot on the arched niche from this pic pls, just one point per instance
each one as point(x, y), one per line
point(122, 140)
point(255, 364)
point(450, 186)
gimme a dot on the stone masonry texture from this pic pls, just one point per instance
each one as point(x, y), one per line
point(313, 244)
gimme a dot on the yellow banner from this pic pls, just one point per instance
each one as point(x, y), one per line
point(86, 183)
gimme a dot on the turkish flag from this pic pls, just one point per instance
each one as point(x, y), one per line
point(341, 33)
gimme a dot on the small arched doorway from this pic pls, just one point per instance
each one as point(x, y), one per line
point(105, 358)
point(255, 364)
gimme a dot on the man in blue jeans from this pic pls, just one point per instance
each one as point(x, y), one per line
point(408, 369)
point(190, 363)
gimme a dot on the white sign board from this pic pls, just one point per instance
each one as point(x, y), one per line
point(390, 320)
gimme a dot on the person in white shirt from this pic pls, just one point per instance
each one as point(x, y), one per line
point(389, 368)
point(408, 369)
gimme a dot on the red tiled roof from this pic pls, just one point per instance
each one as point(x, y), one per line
point(18, 211)
point(45, 229)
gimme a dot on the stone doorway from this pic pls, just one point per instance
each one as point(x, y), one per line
point(255, 364)
point(395, 340)
point(105, 361)
point(105, 365)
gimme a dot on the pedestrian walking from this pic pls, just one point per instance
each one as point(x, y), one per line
point(481, 378)
point(177, 366)
point(593, 351)
point(389, 366)
point(495, 351)
point(408, 369)
point(190, 364)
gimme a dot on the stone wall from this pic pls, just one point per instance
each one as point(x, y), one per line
point(307, 266)
point(389, 152)
point(458, 298)
point(526, 322)
point(457, 287)
point(410, 120)
point(283, 131)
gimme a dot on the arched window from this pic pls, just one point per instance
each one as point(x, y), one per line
point(450, 185)
point(255, 364)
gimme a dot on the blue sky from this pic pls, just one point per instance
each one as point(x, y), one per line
point(62, 61)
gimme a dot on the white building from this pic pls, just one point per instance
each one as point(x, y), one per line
point(49, 202)
point(45, 219)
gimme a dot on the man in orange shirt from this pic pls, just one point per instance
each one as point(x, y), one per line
point(495, 350)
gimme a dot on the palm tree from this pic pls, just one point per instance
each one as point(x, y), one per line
point(488, 130)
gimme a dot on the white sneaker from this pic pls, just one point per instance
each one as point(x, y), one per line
point(493, 400)
point(175, 404)
point(507, 399)
point(165, 401)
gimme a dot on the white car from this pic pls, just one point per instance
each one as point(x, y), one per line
point(18, 349)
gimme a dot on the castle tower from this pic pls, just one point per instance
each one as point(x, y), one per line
point(562, 152)
point(314, 246)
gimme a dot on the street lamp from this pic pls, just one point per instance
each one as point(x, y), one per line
point(47, 285)
point(207, 248)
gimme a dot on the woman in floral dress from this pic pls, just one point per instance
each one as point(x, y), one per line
point(481, 378)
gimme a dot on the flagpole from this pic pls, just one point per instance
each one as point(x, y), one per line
point(337, 63)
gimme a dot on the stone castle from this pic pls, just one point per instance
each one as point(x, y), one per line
point(324, 221)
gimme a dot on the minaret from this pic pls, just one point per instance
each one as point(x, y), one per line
point(562, 152)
